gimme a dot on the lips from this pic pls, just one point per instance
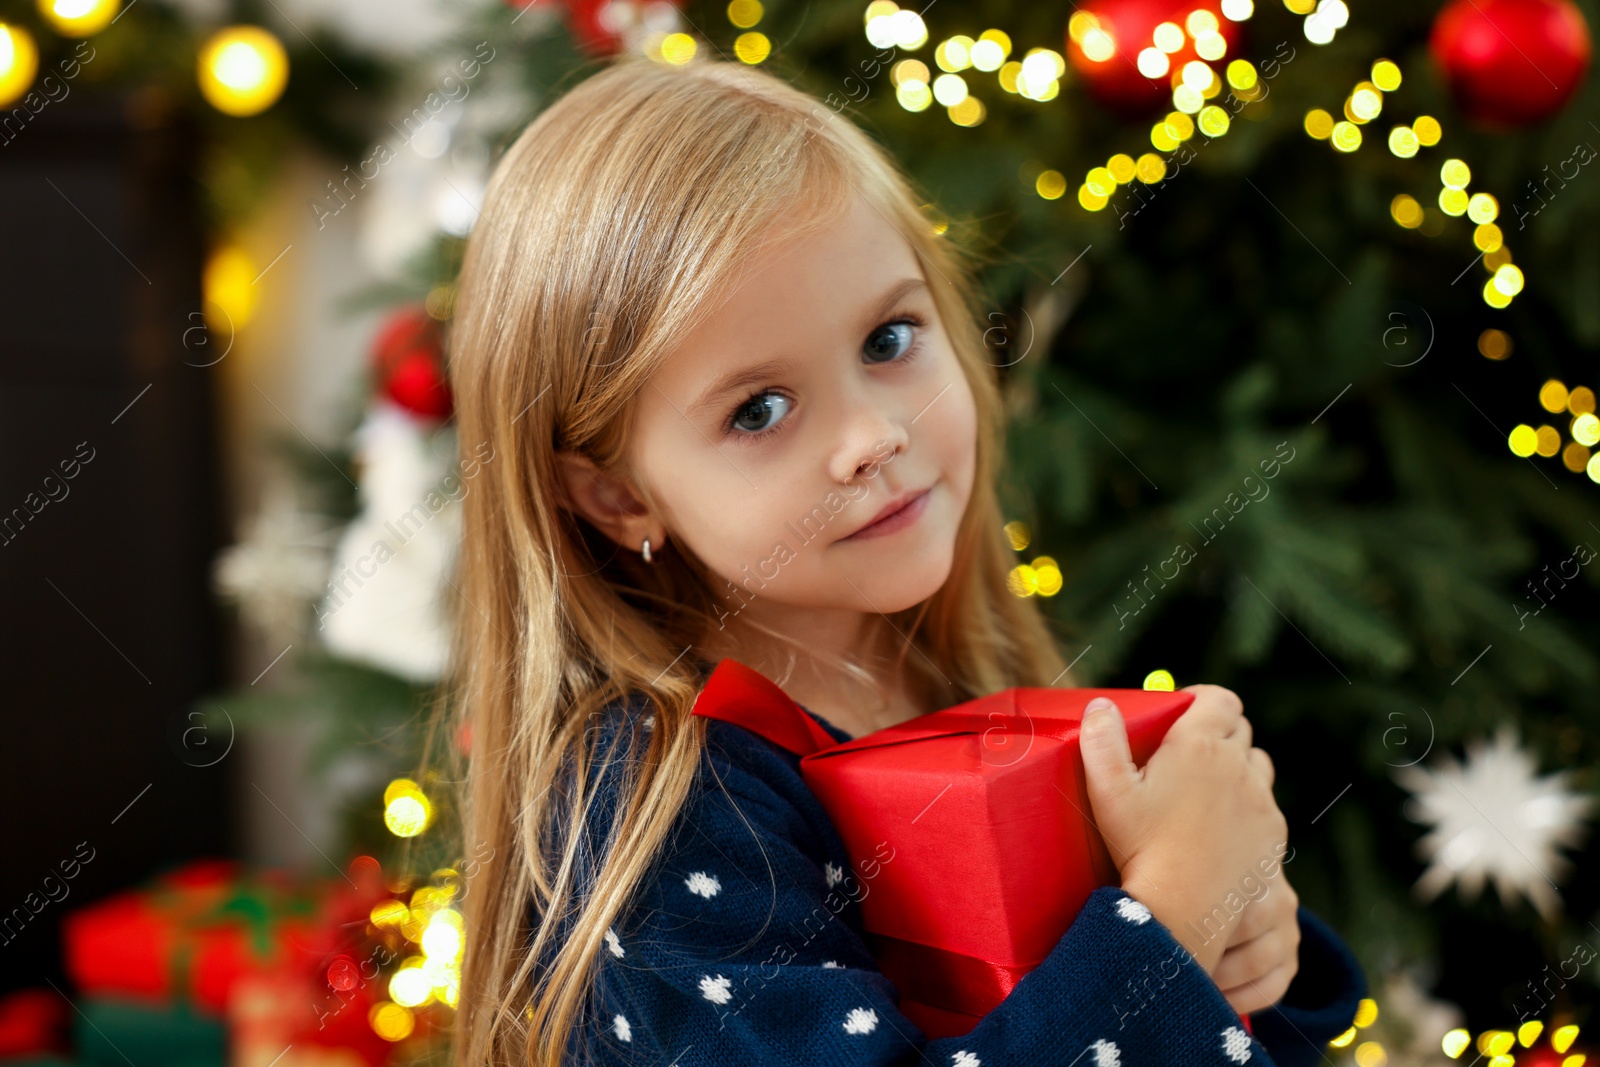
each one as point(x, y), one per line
point(897, 514)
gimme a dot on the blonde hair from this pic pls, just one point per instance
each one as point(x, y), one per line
point(606, 228)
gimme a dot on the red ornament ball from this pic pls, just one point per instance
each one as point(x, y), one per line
point(408, 359)
point(1511, 63)
point(1105, 37)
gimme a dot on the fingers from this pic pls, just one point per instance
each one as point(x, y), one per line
point(1255, 994)
point(1262, 764)
point(1109, 770)
point(1216, 711)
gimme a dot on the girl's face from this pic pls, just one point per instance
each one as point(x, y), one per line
point(813, 441)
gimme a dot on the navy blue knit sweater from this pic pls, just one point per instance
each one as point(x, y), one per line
point(744, 946)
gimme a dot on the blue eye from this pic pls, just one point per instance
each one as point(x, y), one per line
point(888, 342)
point(761, 412)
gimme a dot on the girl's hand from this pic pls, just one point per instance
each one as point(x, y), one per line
point(1188, 825)
point(1263, 954)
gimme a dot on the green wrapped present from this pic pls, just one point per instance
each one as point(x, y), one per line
point(115, 1033)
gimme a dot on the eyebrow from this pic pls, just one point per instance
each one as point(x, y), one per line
point(749, 377)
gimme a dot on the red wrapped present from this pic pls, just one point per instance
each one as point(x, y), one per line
point(192, 933)
point(33, 1021)
point(986, 810)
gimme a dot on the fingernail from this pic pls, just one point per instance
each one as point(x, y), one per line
point(1098, 704)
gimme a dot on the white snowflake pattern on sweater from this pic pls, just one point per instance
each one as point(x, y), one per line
point(703, 884)
point(1236, 1044)
point(833, 964)
point(1106, 1053)
point(1133, 911)
point(718, 990)
point(861, 1021)
point(614, 943)
point(965, 1059)
point(620, 1025)
point(833, 874)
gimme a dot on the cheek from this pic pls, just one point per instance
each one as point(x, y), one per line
point(955, 435)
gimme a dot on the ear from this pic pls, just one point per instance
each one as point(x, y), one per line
point(610, 503)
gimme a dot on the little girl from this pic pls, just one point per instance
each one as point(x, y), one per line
point(742, 408)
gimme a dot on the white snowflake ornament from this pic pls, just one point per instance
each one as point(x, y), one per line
point(1494, 817)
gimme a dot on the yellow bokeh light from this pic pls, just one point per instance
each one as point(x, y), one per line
point(1365, 103)
point(1453, 201)
point(1371, 1054)
point(954, 54)
point(1562, 1037)
point(1091, 200)
point(1386, 75)
point(1498, 1042)
point(1575, 457)
point(1494, 344)
point(678, 48)
point(407, 816)
point(1343, 1039)
point(19, 62)
point(1493, 261)
point(1161, 137)
point(1319, 124)
point(1553, 395)
point(1456, 1041)
point(1200, 22)
point(752, 47)
point(1242, 74)
point(1593, 471)
point(879, 9)
point(1098, 45)
point(1181, 126)
point(1152, 168)
point(1160, 681)
point(1483, 208)
point(409, 987)
point(1405, 210)
point(970, 112)
point(1152, 62)
point(243, 70)
point(1548, 444)
point(1016, 531)
point(1367, 1008)
point(1168, 37)
point(390, 1021)
point(914, 70)
point(744, 13)
point(1494, 297)
point(1047, 575)
point(78, 18)
point(1523, 440)
point(1022, 581)
point(1586, 429)
point(1212, 46)
point(913, 95)
point(949, 89)
point(229, 287)
point(988, 53)
point(1122, 168)
point(1213, 121)
point(389, 913)
point(1051, 185)
point(1508, 279)
point(1580, 401)
point(1403, 141)
point(1346, 136)
point(1428, 130)
point(1487, 237)
point(1455, 174)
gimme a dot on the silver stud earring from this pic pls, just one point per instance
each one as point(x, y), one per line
point(645, 551)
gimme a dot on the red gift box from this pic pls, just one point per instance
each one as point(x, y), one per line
point(192, 933)
point(986, 810)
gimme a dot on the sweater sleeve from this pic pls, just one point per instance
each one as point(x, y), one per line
point(744, 945)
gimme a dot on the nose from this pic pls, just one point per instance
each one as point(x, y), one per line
point(870, 434)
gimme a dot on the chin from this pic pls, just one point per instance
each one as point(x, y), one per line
point(907, 582)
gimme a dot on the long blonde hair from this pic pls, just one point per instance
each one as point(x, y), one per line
point(606, 228)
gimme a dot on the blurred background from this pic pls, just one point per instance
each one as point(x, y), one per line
point(1296, 305)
